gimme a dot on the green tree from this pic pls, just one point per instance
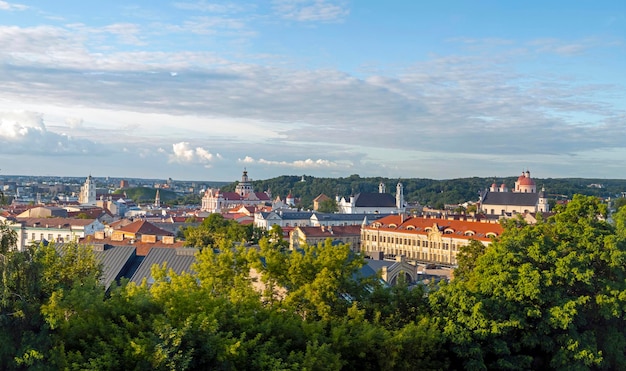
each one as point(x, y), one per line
point(328, 206)
point(618, 203)
point(550, 295)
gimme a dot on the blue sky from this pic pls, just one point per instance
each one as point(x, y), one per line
point(199, 90)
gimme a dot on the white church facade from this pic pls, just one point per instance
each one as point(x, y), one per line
point(523, 198)
point(374, 203)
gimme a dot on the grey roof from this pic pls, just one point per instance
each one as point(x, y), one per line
point(511, 198)
point(374, 200)
point(349, 217)
point(177, 259)
point(116, 262)
point(296, 215)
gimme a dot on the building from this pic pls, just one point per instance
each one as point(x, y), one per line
point(319, 200)
point(522, 199)
point(36, 230)
point(350, 234)
point(216, 201)
point(374, 203)
point(424, 240)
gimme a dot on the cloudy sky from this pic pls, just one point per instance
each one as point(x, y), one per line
point(200, 90)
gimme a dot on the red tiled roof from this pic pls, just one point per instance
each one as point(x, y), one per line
point(144, 227)
point(457, 228)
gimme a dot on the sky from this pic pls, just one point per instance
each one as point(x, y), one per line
point(201, 90)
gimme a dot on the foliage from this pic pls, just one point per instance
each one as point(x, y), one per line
point(619, 203)
point(328, 206)
point(429, 192)
point(214, 230)
point(30, 278)
point(550, 295)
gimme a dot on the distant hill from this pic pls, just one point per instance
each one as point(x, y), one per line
point(427, 191)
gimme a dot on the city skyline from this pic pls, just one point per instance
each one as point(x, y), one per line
point(198, 90)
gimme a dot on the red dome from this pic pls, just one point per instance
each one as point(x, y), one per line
point(525, 181)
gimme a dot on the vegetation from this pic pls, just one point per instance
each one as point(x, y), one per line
point(434, 193)
point(544, 296)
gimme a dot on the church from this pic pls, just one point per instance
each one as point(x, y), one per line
point(216, 201)
point(523, 198)
point(374, 203)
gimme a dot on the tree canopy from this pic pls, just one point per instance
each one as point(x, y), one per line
point(546, 296)
point(549, 295)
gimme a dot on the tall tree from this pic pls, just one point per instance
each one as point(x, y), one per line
point(550, 295)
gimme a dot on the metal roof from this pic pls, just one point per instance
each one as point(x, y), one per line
point(115, 263)
point(178, 259)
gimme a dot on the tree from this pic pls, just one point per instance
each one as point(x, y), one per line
point(617, 205)
point(328, 206)
point(550, 295)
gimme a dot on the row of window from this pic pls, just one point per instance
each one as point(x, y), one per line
point(49, 237)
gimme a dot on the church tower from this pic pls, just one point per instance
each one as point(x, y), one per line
point(400, 197)
point(87, 194)
point(245, 186)
point(542, 203)
point(381, 187)
point(157, 200)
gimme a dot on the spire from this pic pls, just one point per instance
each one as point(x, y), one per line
point(157, 199)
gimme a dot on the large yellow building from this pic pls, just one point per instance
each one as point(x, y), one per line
point(424, 240)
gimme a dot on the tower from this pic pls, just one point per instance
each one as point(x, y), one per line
point(157, 200)
point(381, 187)
point(87, 194)
point(245, 186)
point(400, 197)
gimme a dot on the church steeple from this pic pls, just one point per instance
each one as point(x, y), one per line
point(157, 200)
point(400, 197)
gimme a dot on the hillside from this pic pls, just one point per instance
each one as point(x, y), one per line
point(428, 191)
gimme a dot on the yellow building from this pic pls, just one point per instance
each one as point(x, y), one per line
point(424, 240)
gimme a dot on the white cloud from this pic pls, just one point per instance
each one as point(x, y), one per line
point(25, 133)
point(4, 5)
point(311, 10)
point(299, 164)
point(182, 152)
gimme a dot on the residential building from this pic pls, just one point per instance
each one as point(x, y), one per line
point(35, 230)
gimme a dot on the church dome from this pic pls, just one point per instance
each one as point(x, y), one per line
point(524, 181)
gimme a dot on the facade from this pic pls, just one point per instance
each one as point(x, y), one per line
point(424, 240)
point(374, 203)
point(216, 201)
point(35, 230)
point(285, 218)
point(522, 199)
point(301, 236)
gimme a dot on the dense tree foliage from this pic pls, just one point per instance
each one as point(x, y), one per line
point(550, 295)
point(545, 296)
